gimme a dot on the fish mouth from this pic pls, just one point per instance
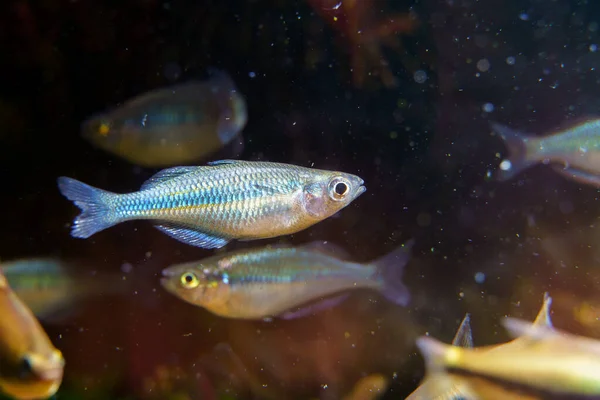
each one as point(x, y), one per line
point(167, 274)
point(51, 374)
point(361, 189)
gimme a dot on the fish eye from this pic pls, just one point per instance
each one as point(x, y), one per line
point(189, 280)
point(26, 367)
point(339, 188)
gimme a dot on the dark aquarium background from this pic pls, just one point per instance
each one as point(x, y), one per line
point(317, 96)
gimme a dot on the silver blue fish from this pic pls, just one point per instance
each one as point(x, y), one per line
point(211, 205)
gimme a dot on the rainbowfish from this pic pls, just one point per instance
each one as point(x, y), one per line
point(30, 366)
point(209, 206)
point(270, 281)
point(574, 152)
point(51, 287)
point(549, 364)
point(175, 125)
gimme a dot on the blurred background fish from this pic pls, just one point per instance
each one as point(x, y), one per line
point(30, 366)
point(573, 152)
point(444, 386)
point(52, 288)
point(541, 363)
point(266, 282)
point(173, 125)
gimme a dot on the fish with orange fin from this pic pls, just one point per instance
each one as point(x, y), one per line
point(573, 152)
point(355, 21)
point(30, 366)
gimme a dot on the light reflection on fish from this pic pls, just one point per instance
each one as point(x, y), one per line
point(573, 152)
point(173, 125)
point(30, 366)
point(270, 281)
point(209, 206)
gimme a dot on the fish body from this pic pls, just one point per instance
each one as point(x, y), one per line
point(440, 385)
point(30, 366)
point(574, 152)
point(173, 125)
point(210, 205)
point(49, 287)
point(544, 364)
point(266, 282)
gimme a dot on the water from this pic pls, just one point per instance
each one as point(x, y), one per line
point(423, 148)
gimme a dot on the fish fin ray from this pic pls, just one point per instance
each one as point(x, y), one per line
point(543, 318)
point(464, 335)
point(314, 307)
point(166, 175)
point(516, 143)
point(519, 328)
point(96, 213)
point(223, 162)
point(578, 175)
point(389, 271)
point(192, 237)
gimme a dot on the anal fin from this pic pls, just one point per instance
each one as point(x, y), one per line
point(314, 307)
point(193, 237)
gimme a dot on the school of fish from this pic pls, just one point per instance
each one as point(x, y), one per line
point(209, 206)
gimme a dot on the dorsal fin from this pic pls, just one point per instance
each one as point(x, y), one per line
point(543, 317)
point(327, 248)
point(464, 336)
point(223, 162)
point(165, 175)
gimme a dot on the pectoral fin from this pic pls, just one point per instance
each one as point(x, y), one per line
point(193, 237)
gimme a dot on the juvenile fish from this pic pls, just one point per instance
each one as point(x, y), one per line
point(30, 366)
point(173, 125)
point(51, 288)
point(574, 152)
point(268, 282)
point(211, 205)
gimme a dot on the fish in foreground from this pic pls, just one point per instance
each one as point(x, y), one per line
point(574, 152)
point(443, 385)
point(271, 281)
point(51, 288)
point(30, 366)
point(547, 364)
point(209, 206)
point(173, 125)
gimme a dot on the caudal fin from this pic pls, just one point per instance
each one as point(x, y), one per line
point(516, 143)
point(96, 213)
point(389, 272)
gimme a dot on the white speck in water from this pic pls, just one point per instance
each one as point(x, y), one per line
point(479, 277)
point(483, 65)
point(593, 48)
point(505, 165)
point(510, 60)
point(488, 107)
point(524, 17)
point(420, 76)
point(252, 74)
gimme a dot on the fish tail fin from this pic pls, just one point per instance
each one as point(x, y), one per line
point(389, 271)
point(517, 145)
point(95, 204)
